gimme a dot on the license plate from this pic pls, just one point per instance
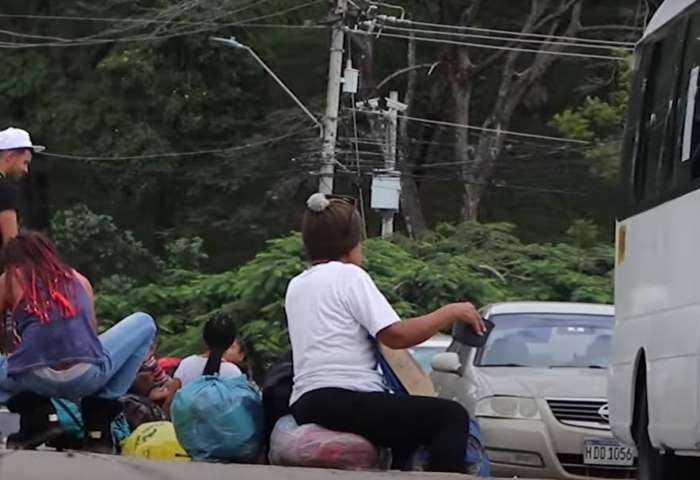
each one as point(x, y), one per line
point(607, 452)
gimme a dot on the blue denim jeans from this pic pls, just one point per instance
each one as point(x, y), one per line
point(125, 345)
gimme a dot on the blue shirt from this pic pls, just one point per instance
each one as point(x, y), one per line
point(63, 340)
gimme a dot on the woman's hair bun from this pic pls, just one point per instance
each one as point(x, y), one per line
point(317, 202)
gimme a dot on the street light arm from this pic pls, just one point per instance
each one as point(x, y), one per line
point(232, 42)
point(285, 88)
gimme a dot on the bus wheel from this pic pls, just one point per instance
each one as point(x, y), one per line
point(652, 465)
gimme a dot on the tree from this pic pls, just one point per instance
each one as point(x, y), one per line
point(94, 245)
point(482, 263)
point(600, 121)
point(509, 82)
point(129, 114)
point(175, 138)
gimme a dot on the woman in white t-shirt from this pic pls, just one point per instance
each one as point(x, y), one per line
point(336, 314)
point(219, 335)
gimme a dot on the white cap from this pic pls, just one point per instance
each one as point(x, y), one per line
point(15, 138)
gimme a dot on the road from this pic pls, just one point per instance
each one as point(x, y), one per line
point(25, 465)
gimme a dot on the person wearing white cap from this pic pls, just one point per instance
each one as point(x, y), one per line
point(16, 149)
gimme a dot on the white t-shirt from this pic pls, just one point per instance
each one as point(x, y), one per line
point(332, 308)
point(192, 368)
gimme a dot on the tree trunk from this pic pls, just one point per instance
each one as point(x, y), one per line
point(411, 209)
point(471, 199)
point(460, 76)
point(477, 164)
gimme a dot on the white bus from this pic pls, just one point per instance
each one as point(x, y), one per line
point(654, 389)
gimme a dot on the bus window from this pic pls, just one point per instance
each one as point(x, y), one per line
point(655, 157)
point(689, 103)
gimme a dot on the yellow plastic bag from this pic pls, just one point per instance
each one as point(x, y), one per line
point(155, 441)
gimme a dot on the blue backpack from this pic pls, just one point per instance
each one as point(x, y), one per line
point(219, 418)
point(71, 421)
point(475, 459)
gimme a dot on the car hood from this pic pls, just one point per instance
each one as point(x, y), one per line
point(541, 382)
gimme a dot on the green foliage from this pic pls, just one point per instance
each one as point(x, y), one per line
point(95, 245)
point(471, 261)
point(160, 98)
point(600, 121)
point(186, 253)
point(583, 234)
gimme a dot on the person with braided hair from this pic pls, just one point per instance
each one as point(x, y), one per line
point(219, 335)
point(60, 353)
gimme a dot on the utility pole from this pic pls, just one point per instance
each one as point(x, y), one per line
point(330, 122)
point(390, 157)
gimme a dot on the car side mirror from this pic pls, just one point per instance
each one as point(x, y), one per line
point(446, 362)
point(466, 336)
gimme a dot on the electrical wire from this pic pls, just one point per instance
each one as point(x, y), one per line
point(234, 148)
point(483, 129)
point(500, 32)
point(492, 47)
point(281, 26)
point(149, 37)
point(571, 44)
point(493, 184)
point(516, 141)
point(78, 18)
point(276, 174)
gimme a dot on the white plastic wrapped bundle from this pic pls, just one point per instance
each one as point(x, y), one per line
point(314, 446)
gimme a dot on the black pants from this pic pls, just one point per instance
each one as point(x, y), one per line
point(402, 423)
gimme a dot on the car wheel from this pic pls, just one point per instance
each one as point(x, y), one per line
point(652, 465)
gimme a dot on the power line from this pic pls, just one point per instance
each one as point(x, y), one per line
point(281, 26)
point(571, 44)
point(492, 185)
point(95, 40)
point(144, 37)
point(484, 129)
point(277, 173)
point(147, 21)
point(492, 47)
point(520, 144)
point(211, 20)
point(180, 154)
point(514, 33)
point(278, 13)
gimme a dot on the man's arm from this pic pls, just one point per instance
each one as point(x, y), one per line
point(8, 225)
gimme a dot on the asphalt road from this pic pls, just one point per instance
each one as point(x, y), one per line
point(43, 465)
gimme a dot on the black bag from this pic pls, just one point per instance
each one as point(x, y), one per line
point(277, 390)
point(139, 410)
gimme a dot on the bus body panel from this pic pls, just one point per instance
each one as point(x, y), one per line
point(657, 299)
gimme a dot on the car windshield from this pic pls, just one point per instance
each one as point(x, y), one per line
point(548, 341)
point(424, 355)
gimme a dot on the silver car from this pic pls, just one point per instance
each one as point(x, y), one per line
point(537, 385)
point(423, 353)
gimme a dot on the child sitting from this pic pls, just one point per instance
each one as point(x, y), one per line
point(219, 335)
point(152, 381)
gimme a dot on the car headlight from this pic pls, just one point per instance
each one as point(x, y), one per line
point(508, 407)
